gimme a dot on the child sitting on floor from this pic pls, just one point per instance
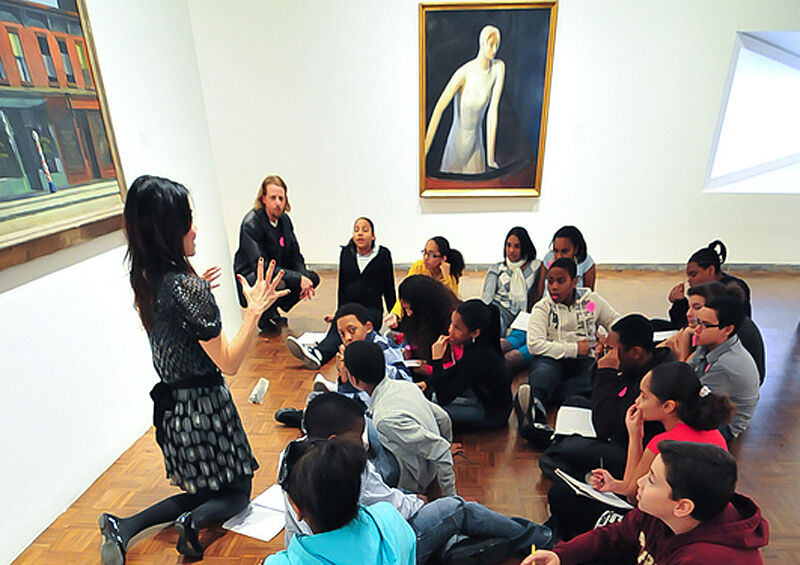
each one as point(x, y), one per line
point(567, 243)
point(470, 379)
point(561, 334)
point(688, 513)
point(417, 431)
point(322, 480)
point(509, 285)
point(366, 275)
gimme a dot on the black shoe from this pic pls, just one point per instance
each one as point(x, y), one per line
point(540, 435)
point(290, 417)
point(188, 541)
point(268, 325)
point(538, 411)
point(282, 320)
point(472, 551)
point(112, 550)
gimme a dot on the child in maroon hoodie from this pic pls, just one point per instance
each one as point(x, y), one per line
point(688, 514)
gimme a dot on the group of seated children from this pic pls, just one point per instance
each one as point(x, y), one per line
point(339, 508)
point(701, 385)
point(444, 525)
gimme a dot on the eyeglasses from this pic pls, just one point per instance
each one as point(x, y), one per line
point(705, 325)
point(430, 254)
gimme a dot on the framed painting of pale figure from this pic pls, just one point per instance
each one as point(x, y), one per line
point(484, 88)
point(60, 179)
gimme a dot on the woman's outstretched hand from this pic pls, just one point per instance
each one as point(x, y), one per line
point(264, 292)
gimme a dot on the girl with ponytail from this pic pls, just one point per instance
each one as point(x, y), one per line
point(469, 377)
point(705, 265)
point(671, 394)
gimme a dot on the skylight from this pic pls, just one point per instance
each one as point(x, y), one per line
point(757, 143)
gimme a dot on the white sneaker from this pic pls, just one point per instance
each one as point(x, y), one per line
point(321, 384)
point(308, 355)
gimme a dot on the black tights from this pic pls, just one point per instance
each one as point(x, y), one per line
point(206, 506)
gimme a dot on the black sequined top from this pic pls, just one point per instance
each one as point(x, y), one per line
point(204, 444)
point(185, 313)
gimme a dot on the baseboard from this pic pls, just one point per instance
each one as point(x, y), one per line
point(657, 267)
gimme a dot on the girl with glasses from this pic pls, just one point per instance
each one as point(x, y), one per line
point(440, 262)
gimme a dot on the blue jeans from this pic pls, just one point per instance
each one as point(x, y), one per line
point(438, 521)
point(553, 380)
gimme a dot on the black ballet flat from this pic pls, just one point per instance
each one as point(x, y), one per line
point(112, 550)
point(188, 540)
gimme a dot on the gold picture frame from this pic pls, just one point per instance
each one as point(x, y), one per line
point(61, 183)
point(483, 117)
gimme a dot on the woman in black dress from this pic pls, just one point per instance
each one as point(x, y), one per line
point(206, 452)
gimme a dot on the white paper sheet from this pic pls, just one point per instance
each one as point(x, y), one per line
point(573, 420)
point(658, 337)
point(585, 489)
point(264, 517)
point(521, 321)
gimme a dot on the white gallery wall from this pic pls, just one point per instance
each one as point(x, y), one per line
point(76, 365)
point(326, 94)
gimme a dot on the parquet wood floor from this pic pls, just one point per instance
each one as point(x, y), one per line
point(501, 469)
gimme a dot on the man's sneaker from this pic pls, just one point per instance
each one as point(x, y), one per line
point(310, 356)
point(472, 551)
point(321, 384)
point(522, 404)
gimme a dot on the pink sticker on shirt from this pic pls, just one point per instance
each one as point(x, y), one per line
point(590, 306)
point(280, 241)
point(549, 264)
point(622, 392)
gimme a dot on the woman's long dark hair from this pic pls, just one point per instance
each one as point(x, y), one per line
point(454, 257)
point(677, 381)
point(431, 304)
point(476, 315)
point(157, 217)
